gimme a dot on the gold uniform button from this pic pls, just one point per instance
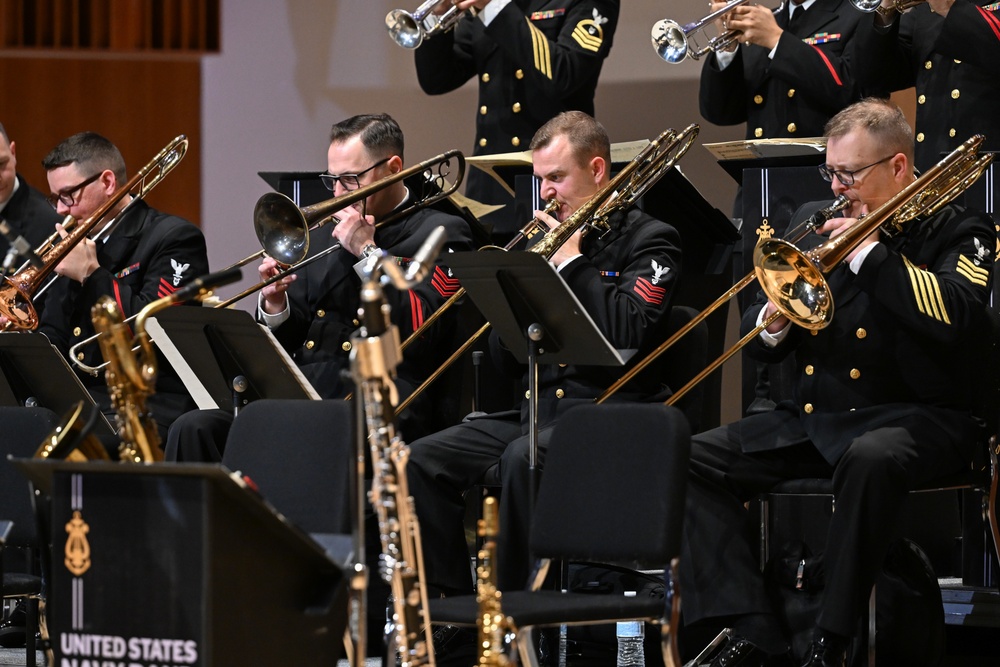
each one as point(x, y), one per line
point(527, 394)
point(357, 322)
point(814, 332)
point(321, 313)
point(519, 74)
point(516, 108)
point(955, 94)
point(76, 331)
point(808, 408)
point(482, 110)
point(951, 132)
point(921, 99)
point(791, 92)
point(759, 132)
point(792, 127)
point(560, 393)
point(957, 61)
point(855, 374)
point(482, 142)
point(515, 142)
point(310, 344)
point(809, 369)
point(920, 136)
point(79, 356)
point(562, 365)
point(928, 65)
point(758, 99)
point(861, 334)
point(486, 77)
point(346, 346)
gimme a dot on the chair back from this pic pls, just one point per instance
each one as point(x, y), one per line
point(299, 455)
point(613, 486)
point(24, 429)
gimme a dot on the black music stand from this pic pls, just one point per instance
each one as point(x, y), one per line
point(225, 358)
point(537, 317)
point(34, 374)
point(181, 564)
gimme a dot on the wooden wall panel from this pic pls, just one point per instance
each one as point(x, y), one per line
point(140, 105)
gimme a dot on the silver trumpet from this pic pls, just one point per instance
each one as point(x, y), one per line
point(410, 30)
point(674, 42)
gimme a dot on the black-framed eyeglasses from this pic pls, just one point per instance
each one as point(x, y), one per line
point(844, 176)
point(349, 181)
point(68, 197)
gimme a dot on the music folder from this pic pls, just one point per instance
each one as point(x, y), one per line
point(210, 348)
point(34, 373)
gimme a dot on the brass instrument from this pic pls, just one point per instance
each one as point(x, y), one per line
point(674, 42)
point(410, 30)
point(618, 194)
point(374, 356)
point(283, 228)
point(17, 291)
point(493, 624)
point(900, 6)
point(72, 440)
point(794, 281)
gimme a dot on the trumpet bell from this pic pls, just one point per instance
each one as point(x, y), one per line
point(281, 228)
point(16, 305)
point(669, 41)
point(793, 283)
point(404, 29)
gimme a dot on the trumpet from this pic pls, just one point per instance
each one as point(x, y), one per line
point(900, 6)
point(674, 42)
point(410, 30)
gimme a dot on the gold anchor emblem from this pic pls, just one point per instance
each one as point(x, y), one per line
point(77, 547)
point(765, 231)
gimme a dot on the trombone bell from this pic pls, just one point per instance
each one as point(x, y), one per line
point(282, 228)
point(793, 283)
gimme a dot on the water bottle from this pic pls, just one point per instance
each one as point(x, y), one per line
point(630, 653)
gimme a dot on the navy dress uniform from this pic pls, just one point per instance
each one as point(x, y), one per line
point(952, 63)
point(796, 92)
point(536, 59)
point(881, 403)
point(29, 215)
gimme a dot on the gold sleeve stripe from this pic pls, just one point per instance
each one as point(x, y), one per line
point(977, 275)
point(927, 293)
point(585, 39)
point(543, 59)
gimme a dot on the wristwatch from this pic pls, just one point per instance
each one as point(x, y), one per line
point(368, 250)
point(886, 12)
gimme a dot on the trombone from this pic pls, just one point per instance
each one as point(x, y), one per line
point(794, 280)
point(618, 194)
point(283, 228)
point(17, 291)
point(410, 30)
point(674, 42)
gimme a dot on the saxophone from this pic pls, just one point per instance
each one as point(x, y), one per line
point(492, 622)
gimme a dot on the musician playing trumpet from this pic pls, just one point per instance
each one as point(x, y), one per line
point(625, 280)
point(883, 400)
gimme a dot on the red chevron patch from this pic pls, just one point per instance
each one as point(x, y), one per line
point(649, 292)
point(445, 285)
point(165, 289)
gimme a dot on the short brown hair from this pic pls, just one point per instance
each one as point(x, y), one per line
point(90, 151)
point(881, 119)
point(588, 138)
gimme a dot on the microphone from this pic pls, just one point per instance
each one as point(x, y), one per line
point(19, 246)
point(207, 282)
point(423, 259)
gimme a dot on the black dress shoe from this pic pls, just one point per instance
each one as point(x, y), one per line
point(739, 652)
point(12, 630)
point(825, 653)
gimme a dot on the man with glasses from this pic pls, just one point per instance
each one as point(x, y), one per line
point(314, 312)
point(882, 400)
point(147, 255)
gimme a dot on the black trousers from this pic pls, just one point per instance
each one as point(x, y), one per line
point(720, 576)
point(442, 467)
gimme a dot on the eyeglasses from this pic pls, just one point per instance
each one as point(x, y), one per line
point(349, 181)
point(68, 197)
point(844, 176)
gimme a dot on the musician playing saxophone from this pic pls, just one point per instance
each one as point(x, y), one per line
point(625, 279)
point(148, 255)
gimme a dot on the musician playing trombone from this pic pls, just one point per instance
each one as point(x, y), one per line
point(882, 401)
point(146, 255)
point(625, 279)
point(314, 312)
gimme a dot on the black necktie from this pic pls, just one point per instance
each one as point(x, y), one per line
point(795, 23)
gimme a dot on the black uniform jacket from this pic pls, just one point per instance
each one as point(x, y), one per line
point(324, 302)
point(30, 215)
point(903, 340)
point(626, 281)
point(796, 92)
point(149, 255)
point(953, 64)
point(536, 59)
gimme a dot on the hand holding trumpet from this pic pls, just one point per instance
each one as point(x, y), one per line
point(462, 5)
point(756, 23)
